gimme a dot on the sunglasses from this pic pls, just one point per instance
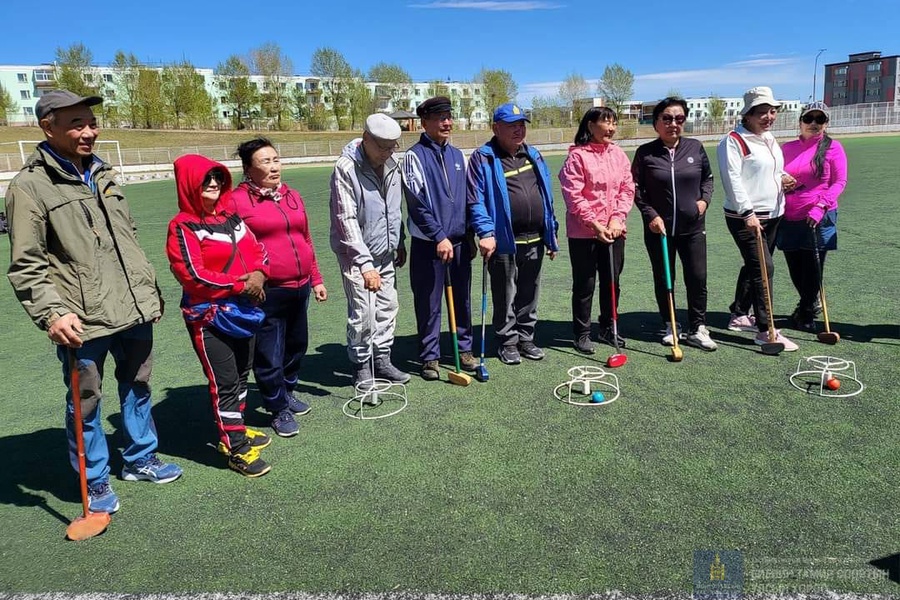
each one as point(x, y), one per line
point(680, 119)
point(819, 119)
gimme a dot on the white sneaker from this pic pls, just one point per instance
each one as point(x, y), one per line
point(763, 338)
point(668, 339)
point(701, 339)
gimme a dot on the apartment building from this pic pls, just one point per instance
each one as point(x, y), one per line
point(26, 84)
point(865, 78)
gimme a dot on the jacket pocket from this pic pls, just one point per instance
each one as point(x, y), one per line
point(89, 285)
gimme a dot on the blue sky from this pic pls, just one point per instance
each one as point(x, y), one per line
point(698, 47)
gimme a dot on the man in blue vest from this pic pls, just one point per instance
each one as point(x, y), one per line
point(434, 182)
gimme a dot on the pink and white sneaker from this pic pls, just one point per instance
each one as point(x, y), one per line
point(742, 323)
point(763, 338)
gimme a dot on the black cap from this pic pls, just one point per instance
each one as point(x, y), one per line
point(438, 104)
point(55, 99)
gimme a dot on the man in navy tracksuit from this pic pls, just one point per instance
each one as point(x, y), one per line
point(434, 182)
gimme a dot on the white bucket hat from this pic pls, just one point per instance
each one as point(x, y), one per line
point(758, 95)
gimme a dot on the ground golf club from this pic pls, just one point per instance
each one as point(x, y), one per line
point(771, 347)
point(481, 373)
point(677, 354)
point(618, 359)
point(828, 336)
point(456, 377)
point(89, 524)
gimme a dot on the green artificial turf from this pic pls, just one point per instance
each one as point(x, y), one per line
point(496, 487)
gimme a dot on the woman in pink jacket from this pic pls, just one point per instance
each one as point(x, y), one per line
point(599, 191)
point(819, 165)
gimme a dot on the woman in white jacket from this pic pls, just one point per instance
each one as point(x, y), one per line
point(752, 170)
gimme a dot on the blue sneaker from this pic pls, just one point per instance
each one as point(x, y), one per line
point(151, 469)
point(284, 423)
point(297, 406)
point(101, 498)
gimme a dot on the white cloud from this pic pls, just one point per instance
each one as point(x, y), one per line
point(491, 5)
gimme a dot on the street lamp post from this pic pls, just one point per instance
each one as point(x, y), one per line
point(816, 72)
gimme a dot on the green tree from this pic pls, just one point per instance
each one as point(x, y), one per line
point(127, 70)
point(572, 89)
point(330, 65)
point(186, 101)
point(674, 93)
point(74, 72)
point(7, 105)
point(275, 67)
point(318, 118)
point(616, 87)
point(466, 110)
point(151, 112)
point(300, 107)
point(241, 96)
point(716, 108)
point(360, 99)
point(549, 112)
point(392, 79)
point(499, 87)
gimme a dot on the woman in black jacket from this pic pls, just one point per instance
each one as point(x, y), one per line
point(673, 187)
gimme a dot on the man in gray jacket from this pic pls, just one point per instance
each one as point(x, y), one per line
point(79, 272)
point(367, 237)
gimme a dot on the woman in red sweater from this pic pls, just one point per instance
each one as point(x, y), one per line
point(222, 268)
point(276, 215)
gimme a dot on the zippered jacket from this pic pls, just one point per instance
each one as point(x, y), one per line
point(596, 184)
point(209, 252)
point(751, 167)
point(668, 185)
point(487, 198)
point(282, 226)
point(814, 196)
point(74, 247)
point(434, 183)
point(366, 211)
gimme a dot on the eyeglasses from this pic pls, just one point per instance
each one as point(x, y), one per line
point(389, 147)
point(680, 119)
point(819, 119)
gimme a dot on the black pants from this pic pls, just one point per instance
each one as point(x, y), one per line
point(804, 273)
point(226, 364)
point(691, 247)
point(281, 344)
point(590, 258)
point(749, 290)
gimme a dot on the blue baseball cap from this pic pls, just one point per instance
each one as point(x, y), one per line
point(510, 113)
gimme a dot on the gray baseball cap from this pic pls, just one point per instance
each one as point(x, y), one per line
point(55, 99)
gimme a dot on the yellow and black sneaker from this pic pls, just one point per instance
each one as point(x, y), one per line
point(248, 462)
point(257, 440)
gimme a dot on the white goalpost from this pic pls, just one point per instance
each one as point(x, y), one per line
point(113, 154)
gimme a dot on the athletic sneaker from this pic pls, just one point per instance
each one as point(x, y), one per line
point(584, 345)
point(297, 406)
point(467, 361)
point(431, 371)
point(152, 469)
point(101, 498)
point(606, 337)
point(284, 424)
point(701, 339)
point(248, 463)
point(763, 338)
point(668, 339)
point(530, 351)
point(509, 355)
point(742, 323)
point(257, 440)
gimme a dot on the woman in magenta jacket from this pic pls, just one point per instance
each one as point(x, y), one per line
point(599, 192)
point(819, 164)
point(276, 215)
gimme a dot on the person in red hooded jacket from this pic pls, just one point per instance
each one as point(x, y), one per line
point(222, 268)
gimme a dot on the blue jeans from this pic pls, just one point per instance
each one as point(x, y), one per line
point(132, 351)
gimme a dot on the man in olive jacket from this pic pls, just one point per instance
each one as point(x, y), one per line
point(81, 276)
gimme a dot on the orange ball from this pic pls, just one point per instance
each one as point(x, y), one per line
point(833, 384)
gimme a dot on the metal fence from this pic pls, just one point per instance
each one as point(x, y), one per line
point(858, 118)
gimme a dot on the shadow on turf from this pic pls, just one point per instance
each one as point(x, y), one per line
point(36, 464)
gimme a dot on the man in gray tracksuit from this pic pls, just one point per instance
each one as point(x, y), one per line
point(367, 236)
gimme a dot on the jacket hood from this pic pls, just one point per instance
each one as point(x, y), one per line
point(352, 150)
point(190, 170)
